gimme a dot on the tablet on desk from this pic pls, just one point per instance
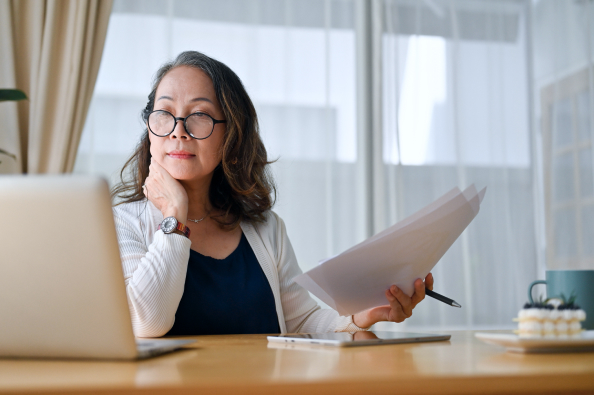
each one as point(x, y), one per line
point(368, 338)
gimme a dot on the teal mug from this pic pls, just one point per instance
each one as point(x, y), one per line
point(571, 282)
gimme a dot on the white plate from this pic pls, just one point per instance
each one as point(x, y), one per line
point(514, 343)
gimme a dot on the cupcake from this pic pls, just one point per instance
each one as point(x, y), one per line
point(550, 320)
point(570, 323)
point(532, 320)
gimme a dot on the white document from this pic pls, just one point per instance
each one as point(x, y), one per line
point(357, 279)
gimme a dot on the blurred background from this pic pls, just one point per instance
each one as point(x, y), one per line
point(376, 108)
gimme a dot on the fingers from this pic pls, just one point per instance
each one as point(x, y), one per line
point(403, 300)
point(157, 180)
point(395, 313)
point(429, 281)
point(155, 185)
point(419, 292)
point(165, 192)
point(401, 305)
point(156, 167)
point(156, 171)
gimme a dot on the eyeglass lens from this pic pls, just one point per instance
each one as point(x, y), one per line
point(198, 125)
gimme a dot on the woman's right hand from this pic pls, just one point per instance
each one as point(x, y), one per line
point(166, 193)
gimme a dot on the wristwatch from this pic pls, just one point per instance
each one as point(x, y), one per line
point(171, 224)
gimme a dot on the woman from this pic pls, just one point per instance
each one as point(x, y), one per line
point(202, 251)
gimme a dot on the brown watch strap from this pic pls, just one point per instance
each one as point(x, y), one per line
point(183, 229)
point(179, 232)
point(180, 228)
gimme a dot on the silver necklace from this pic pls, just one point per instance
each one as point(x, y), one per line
point(198, 220)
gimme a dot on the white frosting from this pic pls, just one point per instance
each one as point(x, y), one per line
point(550, 323)
point(548, 327)
point(542, 313)
point(561, 327)
point(530, 326)
point(575, 326)
point(567, 314)
point(534, 314)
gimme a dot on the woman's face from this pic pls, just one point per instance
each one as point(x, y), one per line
point(183, 91)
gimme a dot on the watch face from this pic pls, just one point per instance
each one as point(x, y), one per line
point(169, 224)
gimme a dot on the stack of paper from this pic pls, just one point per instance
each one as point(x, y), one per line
point(357, 279)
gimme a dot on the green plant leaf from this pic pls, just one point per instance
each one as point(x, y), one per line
point(563, 298)
point(540, 300)
point(572, 298)
point(12, 95)
point(8, 153)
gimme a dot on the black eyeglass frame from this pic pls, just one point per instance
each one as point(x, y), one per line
point(214, 123)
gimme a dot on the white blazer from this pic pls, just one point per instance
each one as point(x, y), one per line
point(155, 265)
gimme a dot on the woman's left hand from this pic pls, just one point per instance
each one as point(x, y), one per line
point(400, 305)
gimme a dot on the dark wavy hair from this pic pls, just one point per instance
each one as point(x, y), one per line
point(242, 185)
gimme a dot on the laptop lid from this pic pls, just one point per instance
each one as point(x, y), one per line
point(62, 291)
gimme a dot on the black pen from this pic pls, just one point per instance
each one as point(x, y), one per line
point(441, 298)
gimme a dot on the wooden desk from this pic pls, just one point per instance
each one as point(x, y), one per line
point(245, 364)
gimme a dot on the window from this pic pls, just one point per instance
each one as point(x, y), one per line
point(297, 61)
point(569, 179)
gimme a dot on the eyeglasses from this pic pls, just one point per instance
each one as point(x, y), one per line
point(198, 125)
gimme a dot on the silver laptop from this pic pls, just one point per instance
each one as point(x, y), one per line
point(62, 292)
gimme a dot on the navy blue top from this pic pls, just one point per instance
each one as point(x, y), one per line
point(226, 296)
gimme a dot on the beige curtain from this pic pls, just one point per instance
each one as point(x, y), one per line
point(56, 50)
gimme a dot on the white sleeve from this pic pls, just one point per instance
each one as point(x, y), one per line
point(302, 313)
point(154, 274)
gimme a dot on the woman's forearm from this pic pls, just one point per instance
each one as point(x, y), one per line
point(154, 276)
point(156, 287)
